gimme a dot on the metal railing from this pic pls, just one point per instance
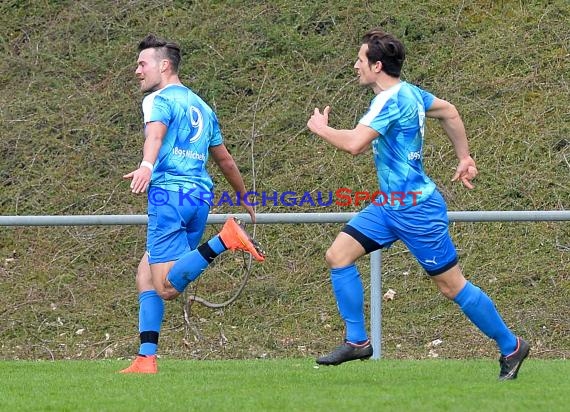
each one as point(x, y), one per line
point(287, 218)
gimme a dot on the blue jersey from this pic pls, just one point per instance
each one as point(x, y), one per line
point(192, 129)
point(398, 115)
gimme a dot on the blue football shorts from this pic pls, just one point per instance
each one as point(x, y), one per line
point(422, 227)
point(175, 225)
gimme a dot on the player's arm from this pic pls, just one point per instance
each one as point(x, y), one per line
point(231, 172)
point(453, 126)
point(140, 178)
point(355, 141)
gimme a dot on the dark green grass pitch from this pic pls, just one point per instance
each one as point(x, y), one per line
point(284, 385)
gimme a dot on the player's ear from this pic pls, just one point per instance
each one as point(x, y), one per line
point(164, 65)
point(378, 67)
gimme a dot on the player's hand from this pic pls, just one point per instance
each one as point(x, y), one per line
point(318, 120)
point(140, 179)
point(250, 211)
point(466, 172)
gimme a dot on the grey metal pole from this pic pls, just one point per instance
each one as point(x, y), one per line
point(278, 218)
point(376, 303)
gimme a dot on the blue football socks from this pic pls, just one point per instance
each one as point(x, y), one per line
point(217, 245)
point(192, 264)
point(151, 311)
point(185, 270)
point(349, 293)
point(479, 308)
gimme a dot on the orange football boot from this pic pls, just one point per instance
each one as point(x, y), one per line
point(142, 364)
point(235, 237)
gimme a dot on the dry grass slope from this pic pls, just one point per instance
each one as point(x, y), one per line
point(71, 127)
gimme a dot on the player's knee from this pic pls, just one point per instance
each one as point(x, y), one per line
point(168, 294)
point(450, 283)
point(143, 281)
point(335, 259)
point(329, 257)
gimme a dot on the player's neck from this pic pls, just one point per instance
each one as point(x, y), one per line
point(170, 80)
point(384, 82)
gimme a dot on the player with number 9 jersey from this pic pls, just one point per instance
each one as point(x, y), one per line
point(192, 129)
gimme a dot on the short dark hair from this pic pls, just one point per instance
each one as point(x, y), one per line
point(387, 49)
point(169, 50)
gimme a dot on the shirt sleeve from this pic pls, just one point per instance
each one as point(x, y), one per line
point(383, 111)
point(217, 138)
point(380, 116)
point(156, 109)
point(427, 98)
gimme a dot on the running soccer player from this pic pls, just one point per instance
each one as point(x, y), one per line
point(181, 131)
point(394, 127)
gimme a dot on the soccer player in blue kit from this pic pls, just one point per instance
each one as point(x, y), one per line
point(181, 131)
point(394, 128)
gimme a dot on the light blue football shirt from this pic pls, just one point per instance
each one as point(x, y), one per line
point(398, 115)
point(192, 129)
